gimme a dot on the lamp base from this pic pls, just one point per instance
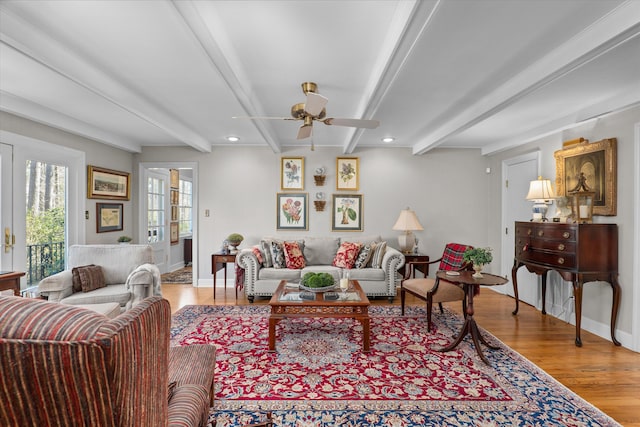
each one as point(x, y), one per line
point(406, 242)
point(539, 211)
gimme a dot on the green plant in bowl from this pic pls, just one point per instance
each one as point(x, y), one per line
point(124, 239)
point(478, 256)
point(317, 280)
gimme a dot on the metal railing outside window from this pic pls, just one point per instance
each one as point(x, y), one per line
point(44, 260)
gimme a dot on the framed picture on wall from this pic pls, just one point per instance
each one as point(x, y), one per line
point(107, 184)
point(291, 211)
point(292, 173)
point(175, 233)
point(347, 212)
point(174, 178)
point(347, 173)
point(598, 162)
point(109, 217)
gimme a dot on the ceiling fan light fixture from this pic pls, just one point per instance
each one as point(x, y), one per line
point(388, 139)
point(309, 87)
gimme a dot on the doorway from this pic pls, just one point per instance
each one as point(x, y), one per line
point(517, 173)
point(189, 171)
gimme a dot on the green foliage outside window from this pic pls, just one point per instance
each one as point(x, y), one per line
point(46, 227)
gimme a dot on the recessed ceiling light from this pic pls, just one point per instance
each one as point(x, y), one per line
point(388, 139)
point(233, 139)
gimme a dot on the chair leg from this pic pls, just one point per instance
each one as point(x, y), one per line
point(441, 309)
point(429, 309)
point(402, 292)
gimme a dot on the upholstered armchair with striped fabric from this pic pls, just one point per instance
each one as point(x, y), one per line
point(67, 366)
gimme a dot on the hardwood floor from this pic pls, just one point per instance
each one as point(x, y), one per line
point(605, 375)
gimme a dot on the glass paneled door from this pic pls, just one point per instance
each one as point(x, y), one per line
point(6, 207)
point(157, 219)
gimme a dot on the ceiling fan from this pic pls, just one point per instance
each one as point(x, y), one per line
point(313, 110)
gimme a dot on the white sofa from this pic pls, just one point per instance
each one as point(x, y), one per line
point(319, 254)
point(129, 273)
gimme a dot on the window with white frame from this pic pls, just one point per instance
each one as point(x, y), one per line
point(185, 206)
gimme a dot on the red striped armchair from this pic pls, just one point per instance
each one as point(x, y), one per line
point(66, 366)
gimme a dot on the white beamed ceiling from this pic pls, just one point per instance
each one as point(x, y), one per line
point(489, 74)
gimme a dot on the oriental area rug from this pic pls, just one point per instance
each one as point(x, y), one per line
point(183, 275)
point(319, 376)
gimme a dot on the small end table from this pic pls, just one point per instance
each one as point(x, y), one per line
point(11, 280)
point(469, 284)
point(413, 262)
point(220, 260)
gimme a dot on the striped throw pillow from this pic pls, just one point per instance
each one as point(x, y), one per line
point(377, 255)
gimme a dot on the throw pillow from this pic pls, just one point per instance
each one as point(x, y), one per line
point(293, 255)
point(346, 255)
point(277, 255)
point(378, 254)
point(363, 256)
point(258, 253)
point(90, 277)
point(75, 277)
point(266, 252)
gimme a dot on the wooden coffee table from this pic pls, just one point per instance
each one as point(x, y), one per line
point(286, 303)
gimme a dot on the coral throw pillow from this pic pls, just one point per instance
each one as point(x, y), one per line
point(293, 256)
point(347, 254)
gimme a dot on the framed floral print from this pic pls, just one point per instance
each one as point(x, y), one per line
point(597, 161)
point(347, 212)
point(174, 178)
point(347, 173)
point(175, 233)
point(292, 173)
point(292, 211)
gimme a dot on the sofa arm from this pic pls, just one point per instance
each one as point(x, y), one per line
point(189, 406)
point(143, 282)
point(248, 261)
point(391, 262)
point(57, 286)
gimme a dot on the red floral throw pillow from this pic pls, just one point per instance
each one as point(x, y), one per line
point(293, 256)
point(347, 254)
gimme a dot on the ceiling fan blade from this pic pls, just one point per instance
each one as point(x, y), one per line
point(304, 131)
point(356, 123)
point(263, 118)
point(315, 103)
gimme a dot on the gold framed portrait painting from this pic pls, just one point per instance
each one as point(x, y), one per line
point(598, 162)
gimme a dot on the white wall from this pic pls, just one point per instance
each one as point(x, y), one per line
point(596, 296)
point(238, 185)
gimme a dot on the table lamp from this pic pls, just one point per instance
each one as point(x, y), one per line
point(407, 222)
point(540, 192)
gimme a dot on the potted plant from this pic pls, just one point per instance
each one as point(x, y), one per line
point(124, 239)
point(234, 240)
point(478, 257)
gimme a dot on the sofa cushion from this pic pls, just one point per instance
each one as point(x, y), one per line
point(367, 274)
point(271, 273)
point(88, 278)
point(320, 251)
point(110, 293)
point(362, 239)
point(377, 255)
point(346, 255)
point(293, 255)
point(363, 256)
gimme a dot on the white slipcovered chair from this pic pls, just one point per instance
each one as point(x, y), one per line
point(129, 275)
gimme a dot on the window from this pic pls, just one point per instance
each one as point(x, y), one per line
point(185, 207)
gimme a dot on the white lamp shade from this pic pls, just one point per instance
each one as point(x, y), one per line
point(407, 221)
point(541, 189)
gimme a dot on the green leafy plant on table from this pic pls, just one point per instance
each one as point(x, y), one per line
point(317, 280)
point(478, 256)
point(124, 239)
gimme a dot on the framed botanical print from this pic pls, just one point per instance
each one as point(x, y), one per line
point(107, 184)
point(292, 173)
point(347, 212)
point(109, 217)
point(347, 173)
point(292, 211)
point(597, 161)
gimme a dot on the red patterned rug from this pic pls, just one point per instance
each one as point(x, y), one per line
point(319, 375)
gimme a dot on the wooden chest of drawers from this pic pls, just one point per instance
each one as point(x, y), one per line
point(578, 252)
